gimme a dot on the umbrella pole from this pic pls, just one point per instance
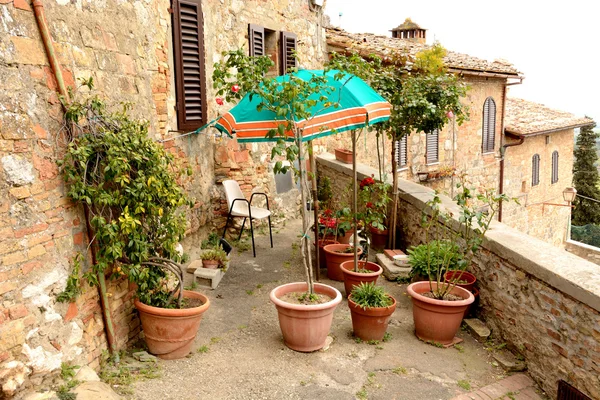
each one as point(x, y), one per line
point(354, 201)
point(313, 168)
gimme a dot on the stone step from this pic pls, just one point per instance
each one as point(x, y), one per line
point(477, 329)
point(209, 278)
point(390, 270)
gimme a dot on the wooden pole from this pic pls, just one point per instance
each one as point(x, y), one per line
point(354, 201)
point(392, 228)
point(313, 168)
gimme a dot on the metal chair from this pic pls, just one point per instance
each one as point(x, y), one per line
point(240, 207)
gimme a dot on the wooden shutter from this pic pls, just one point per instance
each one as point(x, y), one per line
point(535, 170)
point(432, 152)
point(288, 46)
point(256, 39)
point(401, 152)
point(190, 80)
point(555, 166)
point(489, 125)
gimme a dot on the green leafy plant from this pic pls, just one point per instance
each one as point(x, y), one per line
point(73, 288)
point(428, 258)
point(367, 295)
point(67, 373)
point(374, 198)
point(216, 254)
point(211, 242)
point(128, 185)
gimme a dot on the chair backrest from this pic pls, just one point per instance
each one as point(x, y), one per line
point(232, 191)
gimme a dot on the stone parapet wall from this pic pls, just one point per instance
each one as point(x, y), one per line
point(541, 300)
point(590, 253)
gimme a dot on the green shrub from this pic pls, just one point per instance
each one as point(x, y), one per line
point(367, 295)
point(427, 259)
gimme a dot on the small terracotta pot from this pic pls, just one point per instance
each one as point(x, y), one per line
point(170, 333)
point(437, 320)
point(463, 276)
point(371, 323)
point(305, 327)
point(472, 307)
point(335, 259)
point(346, 238)
point(352, 278)
point(210, 264)
point(323, 243)
point(379, 237)
point(343, 155)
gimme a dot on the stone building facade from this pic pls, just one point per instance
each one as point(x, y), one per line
point(128, 48)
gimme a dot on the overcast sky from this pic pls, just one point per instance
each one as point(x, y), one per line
point(555, 44)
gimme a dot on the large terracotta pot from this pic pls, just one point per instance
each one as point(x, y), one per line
point(335, 259)
point(305, 327)
point(371, 323)
point(352, 278)
point(323, 243)
point(437, 320)
point(463, 276)
point(379, 238)
point(170, 333)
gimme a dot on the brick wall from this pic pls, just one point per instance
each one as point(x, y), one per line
point(541, 300)
point(126, 46)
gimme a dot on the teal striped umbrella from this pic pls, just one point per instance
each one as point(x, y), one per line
point(356, 106)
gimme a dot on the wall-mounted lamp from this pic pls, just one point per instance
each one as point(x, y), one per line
point(569, 195)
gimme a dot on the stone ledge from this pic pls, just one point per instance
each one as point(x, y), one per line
point(566, 272)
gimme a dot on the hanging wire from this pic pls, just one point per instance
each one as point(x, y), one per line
point(208, 125)
point(588, 198)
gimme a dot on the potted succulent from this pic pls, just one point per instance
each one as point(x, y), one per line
point(335, 255)
point(214, 258)
point(370, 309)
point(439, 304)
point(367, 272)
point(135, 212)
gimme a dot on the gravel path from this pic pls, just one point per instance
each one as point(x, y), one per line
point(246, 357)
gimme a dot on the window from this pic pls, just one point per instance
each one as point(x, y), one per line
point(288, 48)
point(263, 42)
point(256, 37)
point(188, 48)
point(432, 151)
point(555, 166)
point(401, 152)
point(535, 170)
point(489, 125)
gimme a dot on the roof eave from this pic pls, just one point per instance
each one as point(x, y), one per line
point(546, 131)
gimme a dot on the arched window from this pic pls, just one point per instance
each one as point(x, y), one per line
point(535, 170)
point(555, 166)
point(489, 125)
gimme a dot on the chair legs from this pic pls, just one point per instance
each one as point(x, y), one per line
point(242, 230)
point(270, 231)
point(230, 217)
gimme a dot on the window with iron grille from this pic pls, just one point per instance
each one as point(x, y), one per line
point(432, 152)
point(555, 166)
point(535, 170)
point(288, 47)
point(401, 152)
point(188, 49)
point(489, 125)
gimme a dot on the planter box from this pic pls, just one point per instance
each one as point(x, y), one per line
point(345, 156)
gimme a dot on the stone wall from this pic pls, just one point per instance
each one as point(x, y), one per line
point(541, 300)
point(590, 253)
point(531, 216)
point(126, 46)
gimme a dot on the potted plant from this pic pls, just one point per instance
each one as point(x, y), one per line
point(429, 258)
point(135, 212)
point(438, 304)
point(368, 272)
point(343, 155)
point(370, 309)
point(214, 258)
point(305, 309)
point(423, 176)
point(335, 255)
point(374, 196)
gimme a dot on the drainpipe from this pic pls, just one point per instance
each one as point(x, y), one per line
point(505, 145)
point(40, 17)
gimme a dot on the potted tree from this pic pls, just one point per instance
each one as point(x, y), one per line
point(439, 304)
point(374, 196)
point(135, 213)
point(370, 309)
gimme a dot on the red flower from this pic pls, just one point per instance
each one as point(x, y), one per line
point(368, 181)
point(219, 101)
point(235, 88)
point(328, 213)
point(369, 204)
point(331, 223)
point(450, 114)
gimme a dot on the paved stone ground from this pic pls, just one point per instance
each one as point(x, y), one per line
point(246, 357)
point(515, 387)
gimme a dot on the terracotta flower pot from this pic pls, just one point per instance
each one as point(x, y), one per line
point(210, 264)
point(305, 327)
point(379, 237)
point(346, 238)
point(437, 320)
point(335, 259)
point(343, 155)
point(463, 276)
point(472, 307)
point(323, 243)
point(352, 278)
point(371, 323)
point(170, 333)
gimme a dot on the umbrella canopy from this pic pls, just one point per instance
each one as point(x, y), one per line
point(357, 106)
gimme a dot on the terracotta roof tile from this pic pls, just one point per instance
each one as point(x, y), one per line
point(383, 46)
point(525, 118)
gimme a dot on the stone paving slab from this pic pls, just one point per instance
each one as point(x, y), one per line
point(515, 387)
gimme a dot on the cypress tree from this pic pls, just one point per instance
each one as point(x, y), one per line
point(586, 178)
